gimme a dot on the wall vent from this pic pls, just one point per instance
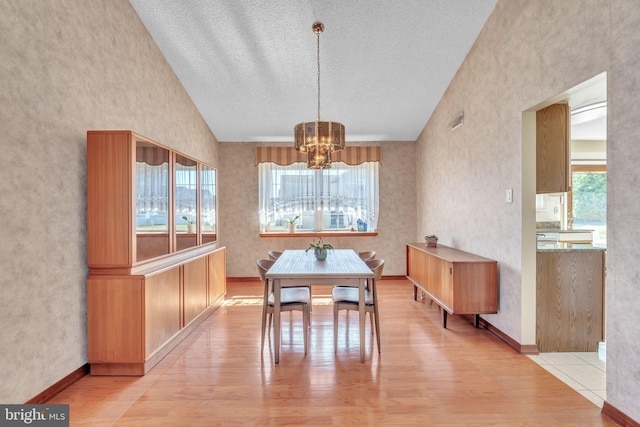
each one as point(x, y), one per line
point(457, 121)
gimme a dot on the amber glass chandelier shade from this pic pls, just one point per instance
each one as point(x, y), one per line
point(328, 134)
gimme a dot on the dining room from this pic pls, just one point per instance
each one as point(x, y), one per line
point(96, 66)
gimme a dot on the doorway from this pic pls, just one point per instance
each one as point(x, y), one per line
point(584, 206)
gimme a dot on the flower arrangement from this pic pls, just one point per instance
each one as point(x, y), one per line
point(432, 240)
point(292, 221)
point(319, 248)
point(318, 245)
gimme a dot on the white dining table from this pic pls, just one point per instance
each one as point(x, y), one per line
point(300, 268)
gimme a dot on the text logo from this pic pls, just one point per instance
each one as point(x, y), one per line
point(34, 415)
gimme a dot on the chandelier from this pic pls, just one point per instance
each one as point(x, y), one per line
point(318, 138)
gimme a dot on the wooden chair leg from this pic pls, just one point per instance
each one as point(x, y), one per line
point(305, 326)
point(264, 324)
point(335, 327)
point(377, 327)
point(371, 321)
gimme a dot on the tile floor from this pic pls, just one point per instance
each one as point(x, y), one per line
point(584, 372)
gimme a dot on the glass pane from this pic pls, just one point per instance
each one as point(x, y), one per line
point(341, 198)
point(186, 205)
point(152, 201)
point(589, 203)
point(208, 219)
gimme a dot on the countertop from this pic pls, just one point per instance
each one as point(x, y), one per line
point(567, 247)
point(558, 230)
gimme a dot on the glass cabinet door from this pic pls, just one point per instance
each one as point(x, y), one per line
point(208, 211)
point(152, 200)
point(186, 218)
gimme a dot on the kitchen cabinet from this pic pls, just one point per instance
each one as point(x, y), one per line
point(459, 282)
point(552, 149)
point(569, 297)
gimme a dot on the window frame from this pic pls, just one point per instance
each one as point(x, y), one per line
point(371, 176)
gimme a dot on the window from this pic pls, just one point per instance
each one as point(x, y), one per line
point(588, 200)
point(344, 197)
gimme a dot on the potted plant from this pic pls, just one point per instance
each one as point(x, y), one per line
point(191, 226)
point(319, 249)
point(292, 223)
point(431, 240)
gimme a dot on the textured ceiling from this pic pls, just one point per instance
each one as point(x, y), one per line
point(250, 65)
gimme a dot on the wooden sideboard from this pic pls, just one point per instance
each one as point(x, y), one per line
point(459, 282)
point(156, 271)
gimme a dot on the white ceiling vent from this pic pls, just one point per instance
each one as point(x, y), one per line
point(457, 121)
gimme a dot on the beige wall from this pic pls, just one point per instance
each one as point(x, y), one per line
point(239, 210)
point(528, 52)
point(66, 67)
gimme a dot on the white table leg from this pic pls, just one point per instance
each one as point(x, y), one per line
point(276, 319)
point(362, 317)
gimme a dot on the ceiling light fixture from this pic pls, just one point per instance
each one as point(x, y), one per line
point(319, 138)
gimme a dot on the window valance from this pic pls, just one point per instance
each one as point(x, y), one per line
point(152, 156)
point(283, 156)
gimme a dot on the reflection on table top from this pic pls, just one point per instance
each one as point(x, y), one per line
point(342, 262)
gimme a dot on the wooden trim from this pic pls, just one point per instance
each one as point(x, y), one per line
point(50, 392)
point(322, 234)
point(617, 416)
point(243, 279)
point(160, 264)
point(257, 279)
point(393, 278)
point(527, 349)
point(589, 168)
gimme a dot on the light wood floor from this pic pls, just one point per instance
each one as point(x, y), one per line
point(426, 375)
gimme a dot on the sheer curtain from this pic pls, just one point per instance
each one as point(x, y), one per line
point(350, 193)
point(152, 183)
point(335, 198)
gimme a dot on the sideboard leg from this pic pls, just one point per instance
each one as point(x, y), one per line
point(444, 318)
point(415, 293)
point(477, 321)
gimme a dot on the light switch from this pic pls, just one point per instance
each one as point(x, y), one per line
point(509, 195)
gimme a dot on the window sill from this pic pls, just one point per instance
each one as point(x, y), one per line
point(321, 234)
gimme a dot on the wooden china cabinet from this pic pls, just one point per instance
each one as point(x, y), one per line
point(156, 270)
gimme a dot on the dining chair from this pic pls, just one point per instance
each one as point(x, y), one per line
point(291, 298)
point(347, 298)
point(367, 255)
point(274, 255)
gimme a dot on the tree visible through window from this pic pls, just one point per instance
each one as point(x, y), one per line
point(589, 199)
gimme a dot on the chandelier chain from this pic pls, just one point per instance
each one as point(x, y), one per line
point(318, 55)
